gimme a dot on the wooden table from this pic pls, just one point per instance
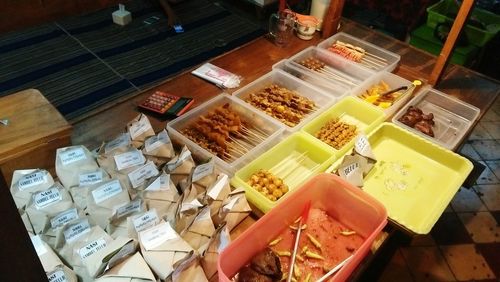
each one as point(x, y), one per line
point(251, 61)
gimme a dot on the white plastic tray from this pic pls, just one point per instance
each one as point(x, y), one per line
point(452, 117)
point(394, 81)
point(283, 79)
point(392, 59)
point(350, 71)
point(261, 121)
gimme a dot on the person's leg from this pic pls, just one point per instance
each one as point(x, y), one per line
point(169, 11)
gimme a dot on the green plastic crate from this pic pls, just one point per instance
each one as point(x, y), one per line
point(423, 38)
point(439, 13)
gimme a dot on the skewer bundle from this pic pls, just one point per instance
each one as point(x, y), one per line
point(358, 54)
point(223, 132)
point(281, 103)
point(326, 71)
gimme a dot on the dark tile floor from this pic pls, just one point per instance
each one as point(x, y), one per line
point(464, 245)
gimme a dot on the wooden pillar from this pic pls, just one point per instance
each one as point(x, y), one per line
point(444, 56)
point(332, 18)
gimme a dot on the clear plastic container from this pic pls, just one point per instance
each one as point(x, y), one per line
point(352, 111)
point(379, 60)
point(413, 178)
point(337, 70)
point(336, 90)
point(452, 117)
point(266, 125)
point(278, 77)
point(342, 201)
point(394, 81)
point(294, 160)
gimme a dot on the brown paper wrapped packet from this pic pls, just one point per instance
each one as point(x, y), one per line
point(139, 129)
point(80, 238)
point(188, 269)
point(111, 255)
point(202, 176)
point(180, 166)
point(58, 221)
point(71, 161)
point(104, 198)
point(46, 204)
point(199, 232)
point(217, 193)
point(234, 209)
point(219, 241)
point(28, 181)
point(26, 221)
point(121, 142)
point(142, 221)
point(118, 224)
point(188, 210)
point(123, 163)
point(158, 148)
point(162, 248)
point(132, 269)
point(53, 266)
point(138, 176)
point(87, 179)
point(161, 194)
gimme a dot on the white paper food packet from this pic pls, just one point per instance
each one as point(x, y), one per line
point(158, 148)
point(87, 180)
point(139, 129)
point(28, 181)
point(71, 161)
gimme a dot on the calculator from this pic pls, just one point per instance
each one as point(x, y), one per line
point(166, 104)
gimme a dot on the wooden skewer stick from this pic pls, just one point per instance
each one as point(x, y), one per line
point(334, 77)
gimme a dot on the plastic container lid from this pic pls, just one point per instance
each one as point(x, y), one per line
point(340, 71)
point(353, 111)
point(452, 117)
point(390, 60)
point(414, 178)
point(344, 202)
point(262, 122)
point(394, 81)
point(336, 90)
point(278, 77)
point(294, 160)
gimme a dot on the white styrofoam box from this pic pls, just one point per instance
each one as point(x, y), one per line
point(290, 82)
point(264, 123)
point(394, 81)
point(336, 90)
point(452, 117)
point(391, 59)
point(348, 74)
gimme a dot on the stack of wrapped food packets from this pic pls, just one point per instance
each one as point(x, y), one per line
point(134, 210)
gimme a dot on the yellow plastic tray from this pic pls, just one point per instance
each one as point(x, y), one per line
point(353, 110)
point(316, 158)
point(414, 178)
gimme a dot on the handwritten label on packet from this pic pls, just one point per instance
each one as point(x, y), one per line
point(214, 191)
point(72, 155)
point(155, 236)
point(155, 142)
point(57, 276)
point(38, 245)
point(139, 127)
point(87, 179)
point(46, 198)
point(362, 147)
point(123, 140)
point(146, 220)
point(32, 179)
point(129, 208)
point(63, 218)
point(138, 176)
point(106, 191)
point(129, 159)
point(92, 248)
point(203, 170)
point(74, 231)
point(173, 164)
